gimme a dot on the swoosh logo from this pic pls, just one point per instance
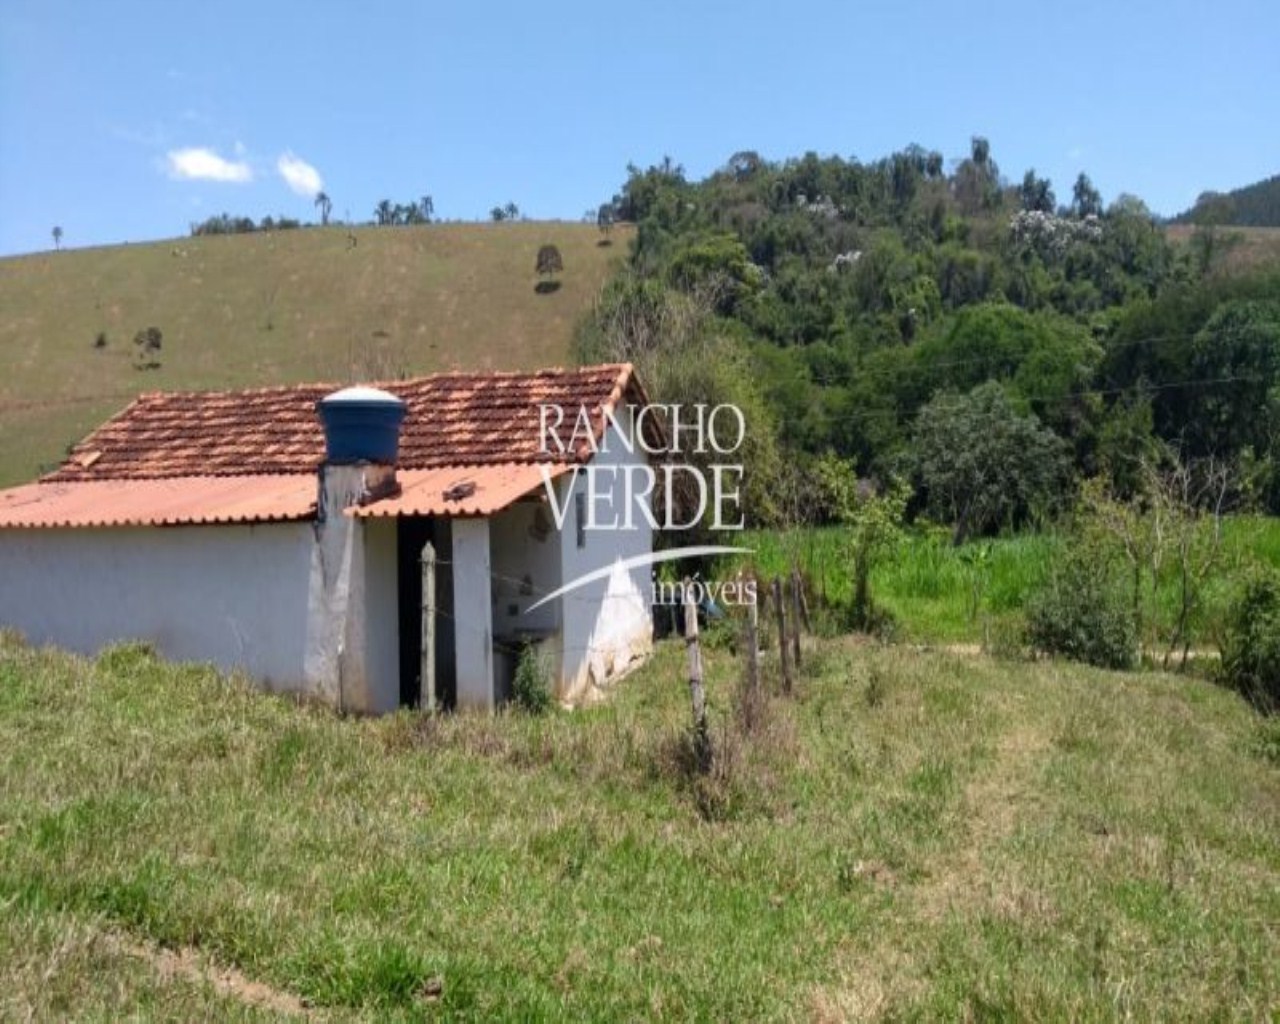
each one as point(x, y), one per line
point(674, 554)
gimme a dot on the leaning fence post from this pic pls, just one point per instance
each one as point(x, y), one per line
point(427, 662)
point(701, 735)
point(798, 582)
point(782, 633)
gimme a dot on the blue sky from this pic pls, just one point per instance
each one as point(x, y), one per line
point(126, 120)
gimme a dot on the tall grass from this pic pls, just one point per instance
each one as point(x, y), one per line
point(934, 591)
point(938, 592)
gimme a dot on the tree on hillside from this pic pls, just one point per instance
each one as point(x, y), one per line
point(977, 179)
point(326, 204)
point(1036, 194)
point(1212, 211)
point(604, 219)
point(1236, 357)
point(147, 344)
point(512, 211)
point(57, 237)
point(417, 211)
point(549, 262)
point(718, 266)
point(981, 465)
point(1086, 201)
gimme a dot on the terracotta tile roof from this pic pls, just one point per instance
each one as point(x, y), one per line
point(453, 419)
point(175, 501)
point(462, 490)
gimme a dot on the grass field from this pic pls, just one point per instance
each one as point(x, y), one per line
point(912, 836)
point(938, 593)
point(275, 308)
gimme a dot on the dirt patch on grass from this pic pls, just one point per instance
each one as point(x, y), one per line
point(872, 986)
point(187, 964)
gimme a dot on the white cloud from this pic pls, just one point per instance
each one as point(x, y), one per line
point(299, 175)
point(200, 164)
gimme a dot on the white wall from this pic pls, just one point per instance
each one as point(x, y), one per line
point(607, 623)
point(371, 660)
point(525, 544)
point(296, 611)
point(232, 595)
point(473, 613)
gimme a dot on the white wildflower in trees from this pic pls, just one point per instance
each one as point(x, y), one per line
point(1051, 236)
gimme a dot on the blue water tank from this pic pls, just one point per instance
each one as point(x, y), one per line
point(361, 425)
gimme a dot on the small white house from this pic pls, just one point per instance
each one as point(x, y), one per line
point(229, 527)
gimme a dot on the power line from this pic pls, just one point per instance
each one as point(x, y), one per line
point(862, 372)
point(897, 416)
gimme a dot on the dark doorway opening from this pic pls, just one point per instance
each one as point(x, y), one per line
point(412, 534)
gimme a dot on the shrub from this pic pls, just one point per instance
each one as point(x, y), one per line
point(875, 529)
point(1266, 742)
point(1251, 645)
point(1082, 612)
point(531, 688)
point(148, 342)
point(127, 657)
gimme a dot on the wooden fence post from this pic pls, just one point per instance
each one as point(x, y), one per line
point(795, 617)
point(782, 633)
point(427, 662)
point(750, 699)
point(701, 735)
point(798, 581)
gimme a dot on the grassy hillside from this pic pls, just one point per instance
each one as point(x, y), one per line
point(910, 837)
point(1241, 250)
point(276, 308)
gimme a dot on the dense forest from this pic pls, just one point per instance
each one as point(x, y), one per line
point(923, 320)
point(1256, 205)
